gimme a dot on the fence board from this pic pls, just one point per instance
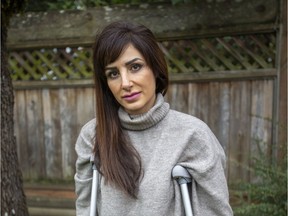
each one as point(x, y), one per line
point(20, 120)
point(55, 154)
point(35, 129)
point(85, 106)
point(177, 95)
point(203, 102)
point(214, 100)
point(48, 133)
point(68, 130)
point(192, 99)
point(239, 140)
point(261, 117)
point(224, 122)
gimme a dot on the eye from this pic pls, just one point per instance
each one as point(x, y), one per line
point(112, 74)
point(136, 67)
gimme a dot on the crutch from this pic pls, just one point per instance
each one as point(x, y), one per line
point(181, 175)
point(95, 179)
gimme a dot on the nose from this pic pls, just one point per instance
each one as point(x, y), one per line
point(126, 81)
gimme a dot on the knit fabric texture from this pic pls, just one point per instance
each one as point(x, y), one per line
point(163, 138)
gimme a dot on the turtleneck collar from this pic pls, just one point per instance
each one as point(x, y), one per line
point(145, 120)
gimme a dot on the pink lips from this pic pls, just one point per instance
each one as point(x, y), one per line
point(132, 96)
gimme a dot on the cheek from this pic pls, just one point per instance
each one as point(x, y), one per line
point(113, 87)
point(151, 80)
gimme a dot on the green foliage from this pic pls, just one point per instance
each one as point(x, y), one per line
point(79, 5)
point(268, 195)
point(174, 2)
point(9, 8)
point(35, 5)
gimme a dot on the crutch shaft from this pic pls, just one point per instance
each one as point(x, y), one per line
point(186, 199)
point(94, 193)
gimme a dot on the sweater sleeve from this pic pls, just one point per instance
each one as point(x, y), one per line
point(205, 160)
point(83, 175)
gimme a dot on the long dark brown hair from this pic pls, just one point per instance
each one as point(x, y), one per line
point(115, 157)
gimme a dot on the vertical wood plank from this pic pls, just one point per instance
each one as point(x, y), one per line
point(268, 114)
point(48, 134)
point(224, 120)
point(203, 102)
point(35, 134)
point(261, 115)
point(85, 106)
point(192, 98)
point(261, 124)
point(179, 97)
point(245, 129)
point(239, 133)
point(55, 150)
point(20, 128)
point(256, 119)
point(68, 130)
point(214, 108)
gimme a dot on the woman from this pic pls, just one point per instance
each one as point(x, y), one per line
point(137, 139)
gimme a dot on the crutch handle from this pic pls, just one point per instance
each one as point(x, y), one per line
point(182, 176)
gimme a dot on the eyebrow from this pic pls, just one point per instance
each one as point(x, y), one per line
point(131, 61)
point(126, 64)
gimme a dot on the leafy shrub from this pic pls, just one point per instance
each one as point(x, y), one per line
point(267, 196)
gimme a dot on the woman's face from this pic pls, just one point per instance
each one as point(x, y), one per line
point(131, 81)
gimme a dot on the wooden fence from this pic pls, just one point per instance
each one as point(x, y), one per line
point(239, 105)
point(48, 120)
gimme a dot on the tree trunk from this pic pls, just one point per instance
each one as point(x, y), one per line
point(13, 200)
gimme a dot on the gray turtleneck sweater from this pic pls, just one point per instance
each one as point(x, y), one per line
point(163, 138)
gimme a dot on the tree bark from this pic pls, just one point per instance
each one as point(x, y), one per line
point(13, 201)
